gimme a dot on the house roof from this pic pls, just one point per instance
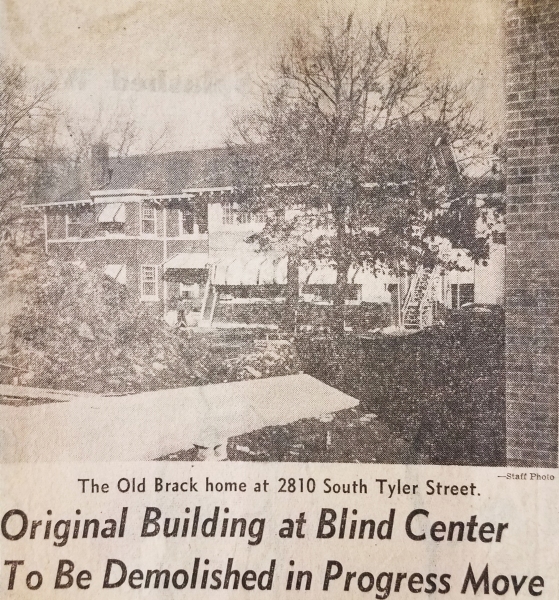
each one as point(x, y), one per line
point(171, 172)
point(166, 173)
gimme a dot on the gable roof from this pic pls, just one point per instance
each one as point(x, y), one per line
point(171, 172)
point(166, 173)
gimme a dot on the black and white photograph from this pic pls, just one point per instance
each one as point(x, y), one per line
point(314, 232)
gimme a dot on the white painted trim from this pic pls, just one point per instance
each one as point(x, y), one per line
point(189, 237)
point(201, 190)
point(53, 204)
point(178, 196)
point(148, 235)
point(154, 298)
point(183, 194)
point(148, 238)
point(70, 240)
point(230, 188)
point(120, 192)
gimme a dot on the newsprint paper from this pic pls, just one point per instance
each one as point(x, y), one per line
point(259, 336)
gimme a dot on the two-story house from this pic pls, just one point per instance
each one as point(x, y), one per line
point(162, 225)
point(168, 224)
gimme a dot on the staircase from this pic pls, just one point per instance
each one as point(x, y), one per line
point(208, 305)
point(417, 310)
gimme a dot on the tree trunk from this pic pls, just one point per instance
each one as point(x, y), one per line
point(340, 289)
point(289, 320)
point(342, 266)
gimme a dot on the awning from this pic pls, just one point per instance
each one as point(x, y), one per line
point(317, 274)
point(112, 213)
point(360, 275)
point(251, 270)
point(188, 260)
point(281, 270)
point(273, 270)
point(268, 270)
point(322, 273)
point(116, 272)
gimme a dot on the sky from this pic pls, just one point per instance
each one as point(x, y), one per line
point(191, 64)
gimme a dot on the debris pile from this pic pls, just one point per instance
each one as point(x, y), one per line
point(274, 359)
point(81, 330)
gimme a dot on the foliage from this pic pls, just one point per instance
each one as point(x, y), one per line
point(81, 330)
point(442, 389)
point(354, 138)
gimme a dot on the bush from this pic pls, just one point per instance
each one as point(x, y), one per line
point(80, 330)
point(442, 389)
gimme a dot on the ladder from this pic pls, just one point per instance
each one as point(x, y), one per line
point(208, 305)
point(417, 311)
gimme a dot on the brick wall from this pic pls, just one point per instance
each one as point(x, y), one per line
point(99, 253)
point(532, 270)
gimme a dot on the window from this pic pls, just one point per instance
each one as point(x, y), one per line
point(193, 219)
point(148, 282)
point(73, 225)
point(462, 294)
point(148, 219)
point(229, 214)
point(232, 215)
point(187, 221)
point(202, 217)
point(248, 216)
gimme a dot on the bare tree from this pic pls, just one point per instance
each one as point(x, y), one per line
point(114, 125)
point(27, 139)
point(353, 116)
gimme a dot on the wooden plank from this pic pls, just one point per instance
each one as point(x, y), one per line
point(151, 424)
point(32, 393)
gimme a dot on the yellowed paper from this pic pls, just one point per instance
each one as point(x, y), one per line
point(278, 292)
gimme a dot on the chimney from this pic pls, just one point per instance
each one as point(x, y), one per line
point(99, 165)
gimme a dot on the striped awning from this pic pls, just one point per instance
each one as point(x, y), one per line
point(258, 269)
point(317, 273)
point(323, 273)
point(116, 272)
point(255, 269)
point(114, 212)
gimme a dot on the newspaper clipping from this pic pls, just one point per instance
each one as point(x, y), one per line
point(280, 299)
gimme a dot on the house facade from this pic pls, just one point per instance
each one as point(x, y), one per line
point(168, 225)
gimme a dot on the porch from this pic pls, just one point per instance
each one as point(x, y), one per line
point(250, 290)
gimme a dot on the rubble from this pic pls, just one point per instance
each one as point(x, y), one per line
point(80, 330)
point(269, 361)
